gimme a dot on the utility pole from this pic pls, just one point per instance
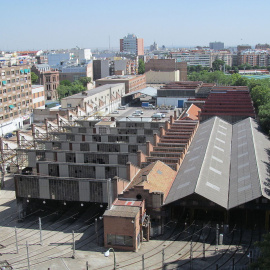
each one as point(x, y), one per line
point(16, 239)
point(96, 229)
point(27, 251)
point(191, 255)
point(73, 246)
point(217, 233)
point(163, 258)
point(40, 231)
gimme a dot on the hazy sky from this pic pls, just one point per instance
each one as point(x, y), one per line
point(54, 24)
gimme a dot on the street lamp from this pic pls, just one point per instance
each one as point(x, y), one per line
point(107, 253)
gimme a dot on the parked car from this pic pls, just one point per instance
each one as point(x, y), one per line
point(136, 114)
point(121, 107)
point(8, 135)
point(115, 112)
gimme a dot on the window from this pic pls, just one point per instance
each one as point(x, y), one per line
point(119, 240)
point(9, 90)
point(13, 80)
point(8, 72)
point(12, 72)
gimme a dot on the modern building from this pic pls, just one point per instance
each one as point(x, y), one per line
point(49, 78)
point(217, 46)
point(15, 97)
point(132, 44)
point(132, 82)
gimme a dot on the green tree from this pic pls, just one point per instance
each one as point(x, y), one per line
point(263, 263)
point(34, 77)
point(85, 81)
point(65, 83)
point(260, 95)
point(141, 68)
point(218, 64)
point(264, 119)
point(63, 91)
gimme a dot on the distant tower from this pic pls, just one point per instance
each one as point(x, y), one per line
point(132, 44)
point(217, 46)
point(154, 47)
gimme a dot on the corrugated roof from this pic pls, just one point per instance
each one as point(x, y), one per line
point(226, 164)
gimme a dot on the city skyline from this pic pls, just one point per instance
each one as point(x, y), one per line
point(32, 25)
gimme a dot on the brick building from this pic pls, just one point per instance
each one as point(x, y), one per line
point(132, 82)
point(49, 79)
point(123, 225)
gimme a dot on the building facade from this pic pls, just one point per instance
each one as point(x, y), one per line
point(132, 82)
point(15, 97)
point(38, 96)
point(49, 78)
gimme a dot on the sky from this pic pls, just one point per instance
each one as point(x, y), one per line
point(56, 24)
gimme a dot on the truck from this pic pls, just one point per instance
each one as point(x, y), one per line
point(147, 105)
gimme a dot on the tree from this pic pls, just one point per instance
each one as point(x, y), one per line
point(264, 119)
point(65, 83)
point(218, 64)
point(141, 68)
point(85, 81)
point(260, 95)
point(34, 77)
point(263, 262)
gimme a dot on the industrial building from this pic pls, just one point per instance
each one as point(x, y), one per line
point(174, 168)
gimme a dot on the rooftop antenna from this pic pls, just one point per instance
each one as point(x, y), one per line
point(109, 43)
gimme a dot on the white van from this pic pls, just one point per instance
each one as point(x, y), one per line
point(157, 116)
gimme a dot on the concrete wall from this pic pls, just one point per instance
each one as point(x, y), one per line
point(162, 76)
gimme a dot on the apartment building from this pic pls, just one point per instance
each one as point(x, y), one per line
point(15, 97)
point(132, 44)
point(254, 57)
point(132, 82)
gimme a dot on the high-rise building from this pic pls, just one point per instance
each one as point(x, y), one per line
point(132, 44)
point(217, 46)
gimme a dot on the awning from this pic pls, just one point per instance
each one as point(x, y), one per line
point(11, 106)
point(4, 82)
point(26, 70)
point(21, 71)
